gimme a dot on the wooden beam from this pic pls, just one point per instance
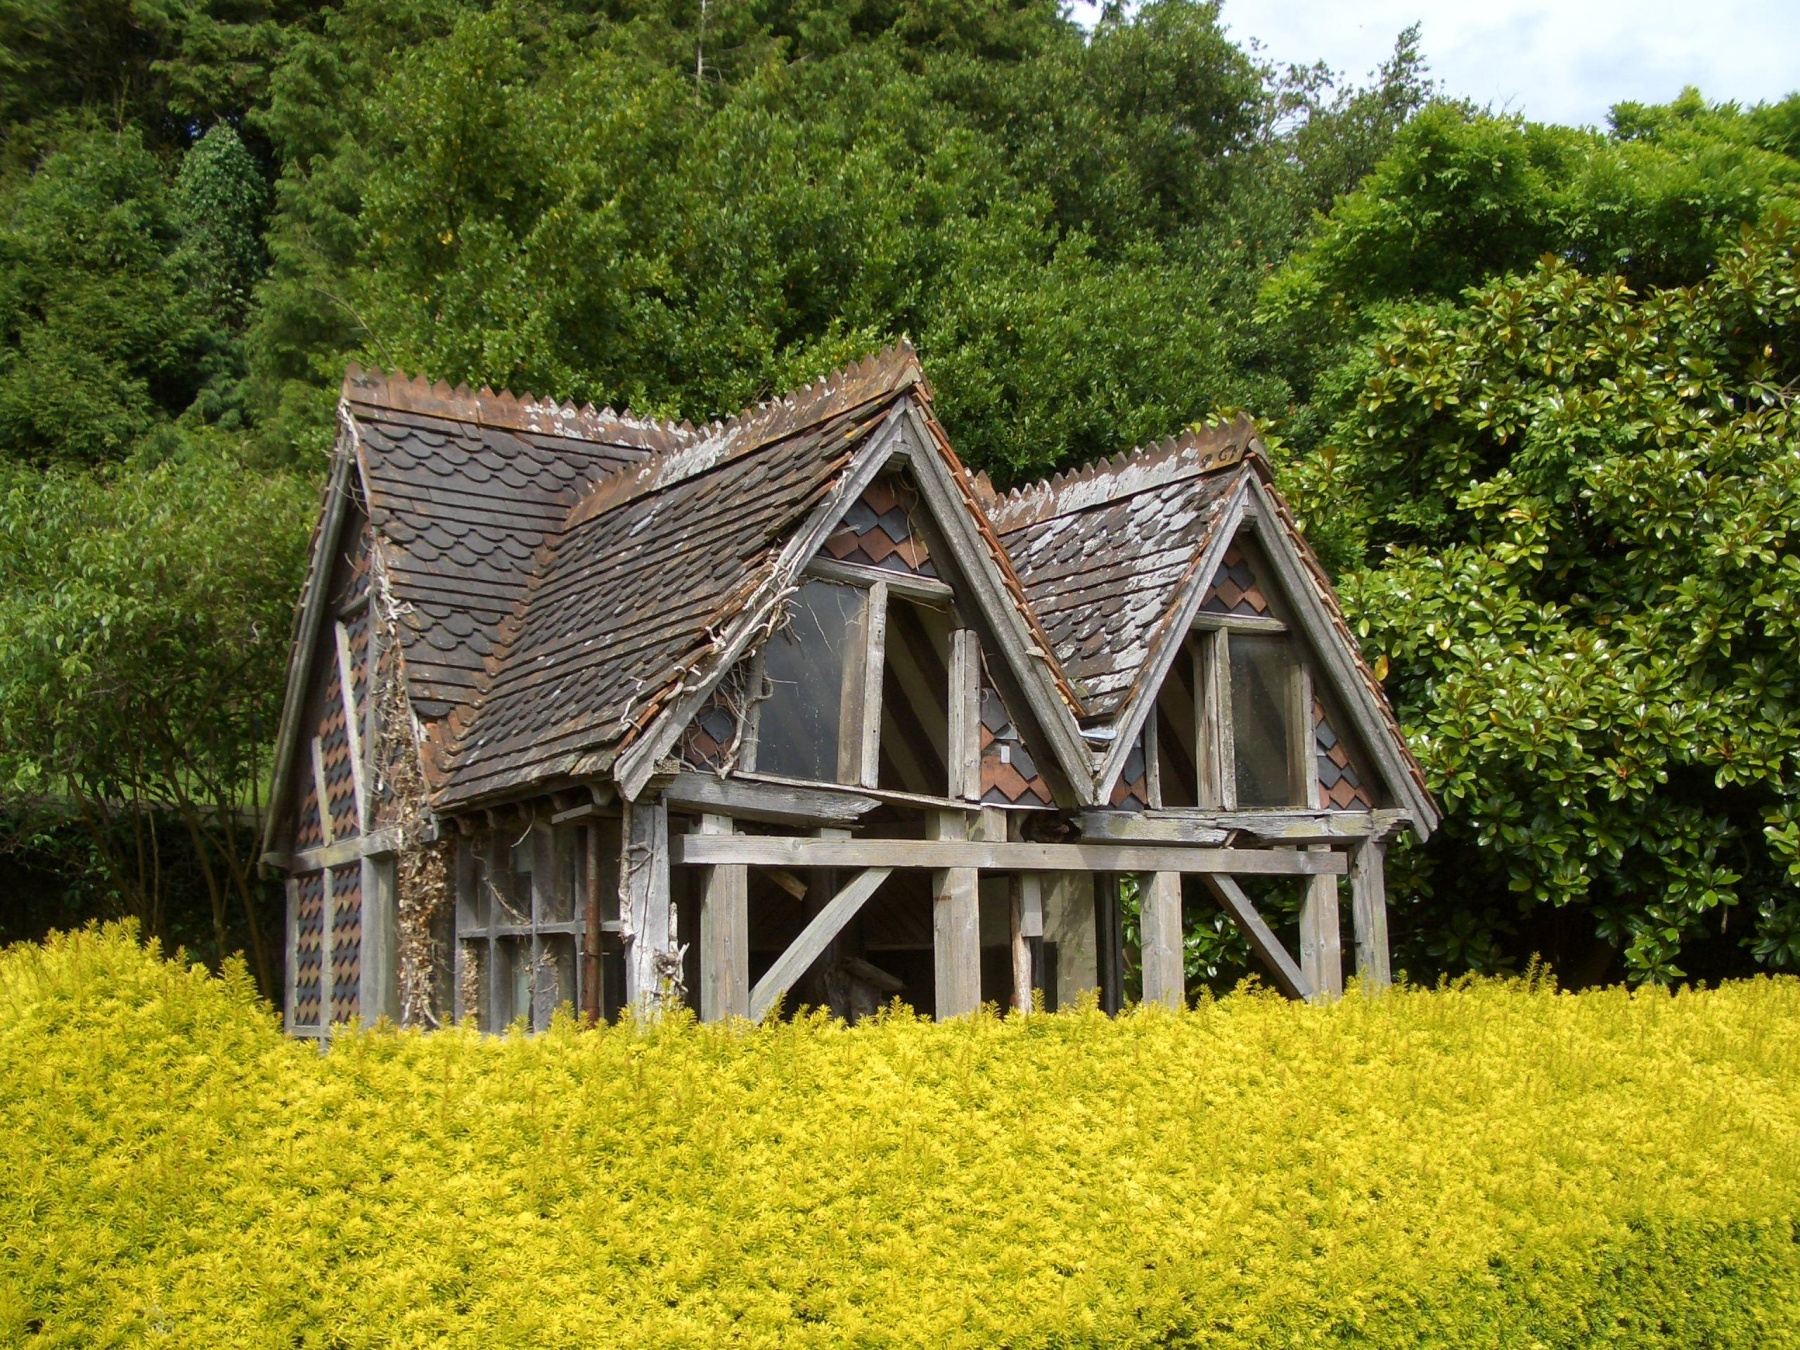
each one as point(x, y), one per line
point(1288, 976)
point(724, 935)
point(323, 790)
point(773, 803)
point(1165, 971)
point(1368, 914)
point(1134, 827)
point(817, 935)
point(1241, 623)
point(647, 920)
point(347, 688)
point(926, 590)
point(1321, 947)
point(963, 753)
point(955, 925)
point(344, 851)
point(920, 800)
point(1272, 826)
point(790, 851)
point(874, 658)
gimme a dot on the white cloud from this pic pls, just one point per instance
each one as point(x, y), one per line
point(1554, 62)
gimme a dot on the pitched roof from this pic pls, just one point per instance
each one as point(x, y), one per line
point(563, 575)
point(1102, 552)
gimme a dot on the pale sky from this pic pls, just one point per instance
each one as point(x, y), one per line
point(1554, 62)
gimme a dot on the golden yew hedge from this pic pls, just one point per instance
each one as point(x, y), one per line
point(1487, 1165)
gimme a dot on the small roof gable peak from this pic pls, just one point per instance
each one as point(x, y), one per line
point(1193, 452)
point(397, 391)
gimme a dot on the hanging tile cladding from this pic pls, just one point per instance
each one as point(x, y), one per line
point(1009, 775)
point(878, 530)
point(309, 939)
point(346, 943)
point(634, 593)
point(1234, 588)
point(462, 511)
point(1103, 574)
point(1341, 786)
point(1132, 791)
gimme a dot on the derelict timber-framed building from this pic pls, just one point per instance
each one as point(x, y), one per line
point(588, 709)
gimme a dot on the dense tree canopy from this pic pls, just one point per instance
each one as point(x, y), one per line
point(1092, 237)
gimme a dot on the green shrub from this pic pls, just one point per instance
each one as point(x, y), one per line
point(1490, 1164)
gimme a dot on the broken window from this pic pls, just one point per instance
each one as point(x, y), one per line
point(811, 721)
point(519, 925)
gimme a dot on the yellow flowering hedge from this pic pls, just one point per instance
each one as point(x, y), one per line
point(1487, 1165)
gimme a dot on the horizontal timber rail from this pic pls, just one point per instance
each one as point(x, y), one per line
point(777, 851)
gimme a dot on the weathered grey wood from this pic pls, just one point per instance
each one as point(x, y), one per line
point(1321, 947)
point(955, 923)
point(874, 658)
point(591, 977)
point(1286, 827)
point(963, 754)
point(923, 801)
point(724, 935)
point(1217, 755)
point(1140, 708)
point(1303, 764)
point(379, 995)
point(1027, 893)
point(1368, 914)
point(326, 832)
point(345, 850)
point(647, 919)
point(789, 851)
point(1165, 973)
point(1240, 623)
point(1153, 760)
point(327, 983)
point(926, 590)
point(347, 689)
point(1313, 620)
point(772, 803)
point(1288, 976)
point(1134, 827)
point(817, 935)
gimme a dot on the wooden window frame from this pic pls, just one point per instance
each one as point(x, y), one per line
point(1215, 741)
point(487, 938)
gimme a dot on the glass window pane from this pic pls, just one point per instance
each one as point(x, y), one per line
point(811, 721)
point(1261, 675)
point(554, 984)
point(477, 904)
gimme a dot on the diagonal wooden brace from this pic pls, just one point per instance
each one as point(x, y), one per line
point(826, 925)
point(1262, 940)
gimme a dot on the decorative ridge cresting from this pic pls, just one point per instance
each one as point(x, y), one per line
point(399, 392)
point(1132, 471)
point(875, 378)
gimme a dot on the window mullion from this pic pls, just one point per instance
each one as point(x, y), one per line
point(874, 659)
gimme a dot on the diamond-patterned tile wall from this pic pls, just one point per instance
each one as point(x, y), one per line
point(878, 530)
point(1341, 787)
point(1009, 775)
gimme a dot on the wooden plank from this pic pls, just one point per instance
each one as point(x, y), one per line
point(817, 935)
point(1368, 914)
point(590, 928)
point(790, 851)
point(1027, 895)
point(1240, 623)
point(1321, 947)
point(291, 891)
point(1288, 827)
point(921, 800)
point(1303, 764)
point(379, 995)
point(1134, 827)
point(342, 851)
point(647, 921)
point(955, 926)
point(963, 753)
point(1153, 760)
point(1217, 755)
point(1288, 976)
point(1165, 975)
point(874, 658)
point(347, 688)
point(926, 590)
point(772, 802)
point(320, 787)
point(724, 935)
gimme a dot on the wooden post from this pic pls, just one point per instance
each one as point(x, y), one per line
point(379, 994)
point(963, 754)
point(591, 977)
point(1368, 914)
point(1165, 972)
point(724, 934)
point(1027, 937)
point(874, 659)
point(1217, 755)
point(291, 889)
point(1321, 948)
point(647, 920)
point(1109, 944)
point(955, 927)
